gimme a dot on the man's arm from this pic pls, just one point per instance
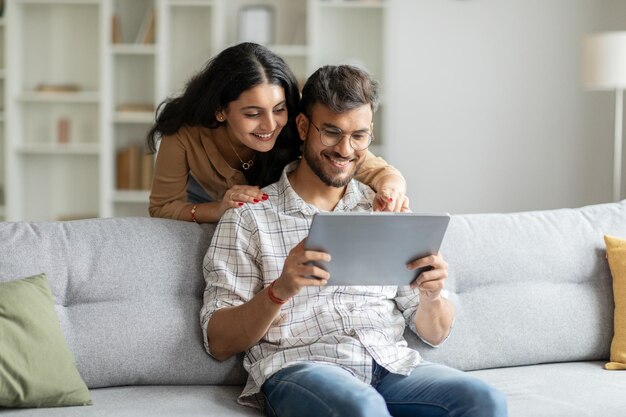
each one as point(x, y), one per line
point(435, 314)
point(232, 330)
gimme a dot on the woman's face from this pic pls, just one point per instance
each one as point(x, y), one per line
point(256, 118)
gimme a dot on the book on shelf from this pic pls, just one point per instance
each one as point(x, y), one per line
point(133, 169)
point(135, 107)
point(57, 88)
point(116, 29)
point(63, 130)
point(128, 168)
point(147, 28)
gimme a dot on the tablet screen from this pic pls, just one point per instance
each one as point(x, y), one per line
point(373, 248)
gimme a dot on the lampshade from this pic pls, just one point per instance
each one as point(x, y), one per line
point(604, 61)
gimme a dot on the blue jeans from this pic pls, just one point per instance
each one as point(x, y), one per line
point(317, 390)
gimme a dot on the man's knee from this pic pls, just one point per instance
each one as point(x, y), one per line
point(321, 390)
point(365, 403)
point(486, 401)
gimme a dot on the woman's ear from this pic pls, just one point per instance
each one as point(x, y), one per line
point(302, 123)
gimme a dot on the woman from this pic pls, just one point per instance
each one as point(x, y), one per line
point(216, 139)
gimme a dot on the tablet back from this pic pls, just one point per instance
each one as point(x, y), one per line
point(373, 248)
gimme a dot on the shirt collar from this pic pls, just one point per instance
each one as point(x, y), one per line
point(291, 202)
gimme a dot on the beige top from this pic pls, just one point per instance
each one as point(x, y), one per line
point(192, 151)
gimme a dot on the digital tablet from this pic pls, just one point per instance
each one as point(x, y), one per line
point(373, 248)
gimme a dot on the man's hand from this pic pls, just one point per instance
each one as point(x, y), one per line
point(431, 281)
point(297, 274)
point(435, 314)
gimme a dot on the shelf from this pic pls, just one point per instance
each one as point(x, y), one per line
point(134, 117)
point(131, 196)
point(133, 49)
point(90, 149)
point(55, 2)
point(363, 4)
point(186, 3)
point(53, 97)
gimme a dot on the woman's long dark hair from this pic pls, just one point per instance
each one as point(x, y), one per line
point(222, 80)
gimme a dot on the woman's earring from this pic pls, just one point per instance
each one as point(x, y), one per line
point(220, 118)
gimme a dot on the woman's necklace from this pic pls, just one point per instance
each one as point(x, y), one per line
point(245, 165)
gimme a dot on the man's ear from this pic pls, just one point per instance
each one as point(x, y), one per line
point(302, 123)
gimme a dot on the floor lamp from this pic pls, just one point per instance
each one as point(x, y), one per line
point(604, 68)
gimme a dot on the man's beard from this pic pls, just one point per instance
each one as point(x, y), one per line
point(315, 163)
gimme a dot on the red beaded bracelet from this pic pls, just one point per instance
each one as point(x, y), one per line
point(272, 297)
point(193, 213)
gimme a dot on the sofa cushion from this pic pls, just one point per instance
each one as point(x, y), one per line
point(551, 390)
point(529, 288)
point(128, 293)
point(153, 401)
point(616, 254)
point(36, 367)
point(577, 389)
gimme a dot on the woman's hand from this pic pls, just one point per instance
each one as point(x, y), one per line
point(388, 199)
point(390, 194)
point(239, 194)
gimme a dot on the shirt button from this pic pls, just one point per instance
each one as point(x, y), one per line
point(351, 332)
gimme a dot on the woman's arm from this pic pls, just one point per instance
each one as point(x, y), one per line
point(387, 181)
point(168, 195)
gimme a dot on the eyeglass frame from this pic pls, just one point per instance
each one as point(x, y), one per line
point(343, 135)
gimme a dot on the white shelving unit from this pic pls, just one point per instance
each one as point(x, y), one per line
point(60, 148)
point(53, 138)
point(129, 56)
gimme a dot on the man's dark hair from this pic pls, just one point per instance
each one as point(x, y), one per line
point(340, 88)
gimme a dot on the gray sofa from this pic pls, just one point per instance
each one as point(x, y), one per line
point(533, 295)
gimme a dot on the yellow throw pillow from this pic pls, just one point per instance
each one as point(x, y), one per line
point(616, 254)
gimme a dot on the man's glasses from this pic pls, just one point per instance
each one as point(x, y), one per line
point(359, 140)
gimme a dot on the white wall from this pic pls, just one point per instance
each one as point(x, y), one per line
point(485, 110)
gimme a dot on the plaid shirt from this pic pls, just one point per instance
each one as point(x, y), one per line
point(345, 326)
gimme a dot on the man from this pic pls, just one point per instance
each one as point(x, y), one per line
point(313, 349)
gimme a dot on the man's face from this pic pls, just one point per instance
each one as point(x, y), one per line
point(334, 165)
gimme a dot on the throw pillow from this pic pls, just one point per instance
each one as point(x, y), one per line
point(616, 254)
point(36, 367)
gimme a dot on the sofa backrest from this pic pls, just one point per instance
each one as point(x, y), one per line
point(529, 287)
point(128, 294)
